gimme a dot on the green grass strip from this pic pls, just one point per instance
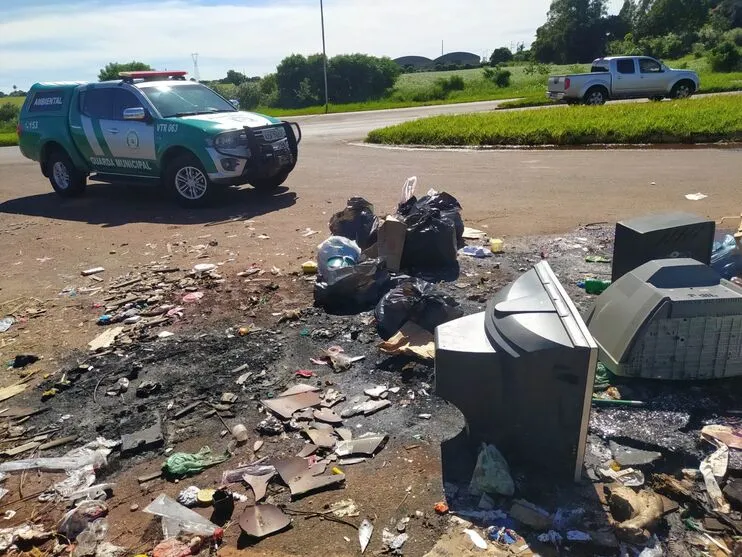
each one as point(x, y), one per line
point(699, 120)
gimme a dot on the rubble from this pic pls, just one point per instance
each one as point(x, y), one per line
point(263, 520)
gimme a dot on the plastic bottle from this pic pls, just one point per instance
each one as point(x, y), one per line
point(176, 518)
point(596, 286)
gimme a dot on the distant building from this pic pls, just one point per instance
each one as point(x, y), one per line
point(417, 62)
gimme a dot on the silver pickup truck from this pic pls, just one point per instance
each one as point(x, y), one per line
point(623, 77)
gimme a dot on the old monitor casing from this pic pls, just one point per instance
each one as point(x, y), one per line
point(522, 372)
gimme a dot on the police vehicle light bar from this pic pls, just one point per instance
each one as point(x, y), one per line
point(152, 74)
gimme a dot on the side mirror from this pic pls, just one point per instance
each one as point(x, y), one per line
point(137, 113)
point(235, 103)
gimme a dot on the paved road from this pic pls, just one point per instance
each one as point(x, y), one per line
point(509, 192)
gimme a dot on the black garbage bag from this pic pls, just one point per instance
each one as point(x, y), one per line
point(417, 301)
point(430, 242)
point(446, 203)
point(352, 289)
point(356, 222)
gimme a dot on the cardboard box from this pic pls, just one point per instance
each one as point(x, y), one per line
point(391, 238)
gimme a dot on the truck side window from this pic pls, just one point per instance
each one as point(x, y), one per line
point(647, 65)
point(625, 66)
point(122, 100)
point(98, 104)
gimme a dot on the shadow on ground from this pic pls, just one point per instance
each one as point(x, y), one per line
point(110, 205)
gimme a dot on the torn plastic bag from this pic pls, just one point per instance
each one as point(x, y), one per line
point(726, 258)
point(184, 464)
point(92, 454)
point(176, 518)
point(491, 474)
point(352, 289)
point(414, 300)
point(356, 222)
point(335, 253)
point(77, 520)
point(447, 204)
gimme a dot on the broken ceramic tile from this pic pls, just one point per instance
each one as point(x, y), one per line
point(364, 445)
point(376, 392)
point(258, 483)
point(344, 433)
point(321, 437)
point(308, 449)
point(262, 520)
point(298, 389)
point(373, 406)
point(328, 416)
point(286, 405)
point(331, 398)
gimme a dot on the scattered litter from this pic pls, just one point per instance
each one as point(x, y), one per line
point(393, 542)
point(262, 520)
point(309, 267)
point(270, 426)
point(530, 515)
point(184, 464)
point(695, 196)
point(476, 251)
point(6, 323)
point(328, 416)
point(286, 404)
point(303, 478)
point(375, 392)
point(306, 373)
point(411, 340)
point(363, 445)
point(441, 507)
point(473, 234)
point(92, 271)
point(11, 391)
point(636, 513)
point(165, 334)
point(192, 297)
point(201, 268)
point(597, 259)
point(713, 490)
point(176, 518)
point(105, 339)
point(188, 496)
point(732, 438)
point(425, 416)
point(344, 508)
point(365, 530)
point(476, 539)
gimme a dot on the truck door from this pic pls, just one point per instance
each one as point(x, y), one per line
point(652, 77)
point(625, 79)
point(96, 105)
point(131, 141)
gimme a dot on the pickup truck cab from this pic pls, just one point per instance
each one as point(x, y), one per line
point(152, 127)
point(623, 77)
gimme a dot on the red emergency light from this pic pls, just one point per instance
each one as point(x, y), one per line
point(152, 74)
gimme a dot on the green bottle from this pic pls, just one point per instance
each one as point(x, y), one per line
point(596, 286)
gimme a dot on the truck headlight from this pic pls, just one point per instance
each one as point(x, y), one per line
point(232, 143)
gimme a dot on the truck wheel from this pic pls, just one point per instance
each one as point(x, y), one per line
point(188, 181)
point(64, 176)
point(683, 90)
point(270, 184)
point(595, 96)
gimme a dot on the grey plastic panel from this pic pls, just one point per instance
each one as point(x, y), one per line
point(647, 324)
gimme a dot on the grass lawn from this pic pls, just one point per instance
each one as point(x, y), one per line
point(18, 101)
point(697, 120)
point(8, 138)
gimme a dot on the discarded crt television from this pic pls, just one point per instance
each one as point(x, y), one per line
point(522, 373)
point(670, 319)
point(667, 236)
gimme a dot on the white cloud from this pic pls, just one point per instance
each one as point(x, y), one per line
point(75, 40)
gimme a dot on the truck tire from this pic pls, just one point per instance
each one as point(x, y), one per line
point(64, 176)
point(595, 96)
point(682, 90)
point(187, 181)
point(270, 184)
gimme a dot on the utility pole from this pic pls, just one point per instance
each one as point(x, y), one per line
point(441, 47)
point(196, 75)
point(324, 55)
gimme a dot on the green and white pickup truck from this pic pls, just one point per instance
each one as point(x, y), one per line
point(152, 127)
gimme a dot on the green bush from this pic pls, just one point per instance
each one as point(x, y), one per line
point(434, 93)
point(9, 113)
point(249, 95)
point(452, 83)
point(710, 36)
point(698, 50)
point(226, 90)
point(725, 57)
point(498, 76)
point(734, 35)
point(501, 55)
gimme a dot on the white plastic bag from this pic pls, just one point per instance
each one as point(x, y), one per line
point(335, 246)
point(176, 518)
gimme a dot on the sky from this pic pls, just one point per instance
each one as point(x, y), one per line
point(52, 40)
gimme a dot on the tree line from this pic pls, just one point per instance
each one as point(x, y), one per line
point(582, 30)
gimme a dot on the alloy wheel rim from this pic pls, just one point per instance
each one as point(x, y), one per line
point(191, 182)
point(61, 175)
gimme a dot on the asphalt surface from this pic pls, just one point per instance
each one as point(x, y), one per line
point(506, 192)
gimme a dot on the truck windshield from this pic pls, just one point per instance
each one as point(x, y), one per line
point(185, 100)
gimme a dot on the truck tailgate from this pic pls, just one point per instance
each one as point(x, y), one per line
point(556, 83)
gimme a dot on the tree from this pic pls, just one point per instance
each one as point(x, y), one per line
point(112, 69)
point(501, 55)
point(726, 14)
point(660, 17)
point(575, 31)
point(235, 78)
